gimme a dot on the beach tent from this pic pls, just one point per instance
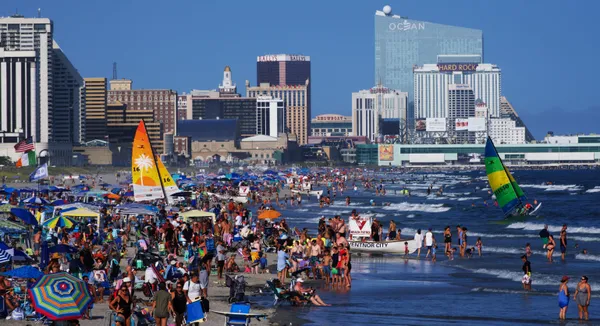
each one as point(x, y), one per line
point(195, 213)
point(82, 212)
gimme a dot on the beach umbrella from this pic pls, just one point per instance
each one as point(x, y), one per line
point(269, 214)
point(18, 255)
point(60, 296)
point(36, 200)
point(111, 196)
point(63, 249)
point(6, 208)
point(60, 221)
point(44, 255)
point(5, 257)
point(24, 215)
point(59, 202)
point(24, 272)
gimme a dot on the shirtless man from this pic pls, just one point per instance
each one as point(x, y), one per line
point(315, 252)
point(36, 242)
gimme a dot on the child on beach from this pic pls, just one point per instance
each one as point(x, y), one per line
point(433, 257)
point(450, 253)
point(479, 244)
point(406, 252)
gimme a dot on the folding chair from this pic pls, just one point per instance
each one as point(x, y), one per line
point(238, 308)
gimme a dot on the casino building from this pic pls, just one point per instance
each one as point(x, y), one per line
point(432, 84)
point(331, 125)
point(401, 43)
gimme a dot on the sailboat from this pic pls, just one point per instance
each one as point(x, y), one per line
point(509, 195)
point(150, 177)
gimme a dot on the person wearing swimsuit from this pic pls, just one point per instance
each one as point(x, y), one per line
point(583, 294)
point(550, 246)
point(121, 304)
point(447, 239)
point(563, 298)
point(178, 304)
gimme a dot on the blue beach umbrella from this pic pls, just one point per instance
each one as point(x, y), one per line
point(24, 215)
point(24, 272)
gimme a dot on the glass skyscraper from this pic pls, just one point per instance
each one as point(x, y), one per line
point(401, 43)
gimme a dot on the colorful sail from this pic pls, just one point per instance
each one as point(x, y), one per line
point(501, 181)
point(168, 182)
point(144, 173)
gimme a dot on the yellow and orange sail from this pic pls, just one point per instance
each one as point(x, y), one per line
point(148, 170)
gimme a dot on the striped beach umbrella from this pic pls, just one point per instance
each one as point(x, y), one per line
point(60, 221)
point(60, 296)
point(5, 257)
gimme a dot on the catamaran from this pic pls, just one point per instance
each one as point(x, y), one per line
point(509, 195)
point(149, 176)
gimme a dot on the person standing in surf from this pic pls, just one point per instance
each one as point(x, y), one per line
point(583, 294)
point(563, 242)
point(550, 247)
point(447, 239)
point(526, 280)
point(563, 297)
point(428, 242)
point(545, 235)
point(419, 242)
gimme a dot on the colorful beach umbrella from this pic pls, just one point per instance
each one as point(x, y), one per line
point(60, 296)
point(36, 200)
point(60, 221)
point(269, 214)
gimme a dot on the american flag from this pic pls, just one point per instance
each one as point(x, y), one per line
point(24, 145)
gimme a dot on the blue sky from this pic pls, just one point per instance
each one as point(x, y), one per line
point(547, 49)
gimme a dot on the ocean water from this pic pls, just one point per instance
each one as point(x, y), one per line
point(388, 290)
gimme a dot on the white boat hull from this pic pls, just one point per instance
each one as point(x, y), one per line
point(312, 192)
point(383, 247)
point(237, 199)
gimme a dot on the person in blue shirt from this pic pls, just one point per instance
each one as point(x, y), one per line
point(282, 259)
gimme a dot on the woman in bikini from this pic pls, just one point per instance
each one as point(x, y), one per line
point(550, 247)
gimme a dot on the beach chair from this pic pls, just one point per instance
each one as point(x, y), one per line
point(238, 308)
point(279, 298)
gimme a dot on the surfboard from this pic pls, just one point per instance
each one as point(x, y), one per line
point(239, 314)
point(536, 210)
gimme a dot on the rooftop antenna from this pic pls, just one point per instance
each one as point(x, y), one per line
point(114, 71)
point(39, 12)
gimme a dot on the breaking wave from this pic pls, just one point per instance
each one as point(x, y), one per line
point(410, 207)
point(553, 228)
point(554, 187)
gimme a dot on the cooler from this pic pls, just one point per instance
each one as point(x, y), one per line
point(195, 313)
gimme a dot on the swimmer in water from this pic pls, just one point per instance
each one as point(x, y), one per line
point(372, 202)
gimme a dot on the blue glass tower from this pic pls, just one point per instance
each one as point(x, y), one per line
point(401, 43)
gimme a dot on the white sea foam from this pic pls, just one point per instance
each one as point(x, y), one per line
point(554, 187)
point(552, 228)
point(410, 215)
point(410, 207)
point(537, 278)
point(595, 189)
point(587, 257)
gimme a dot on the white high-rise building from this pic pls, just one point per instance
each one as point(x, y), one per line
point(370, 106)
point(505, 131)
point(47, 90)
point(270, 116)
point(431, 83)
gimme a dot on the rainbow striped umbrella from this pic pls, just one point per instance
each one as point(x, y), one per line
point(60, 296)
point(60, 221)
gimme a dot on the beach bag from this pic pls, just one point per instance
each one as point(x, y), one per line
point(17, 314)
